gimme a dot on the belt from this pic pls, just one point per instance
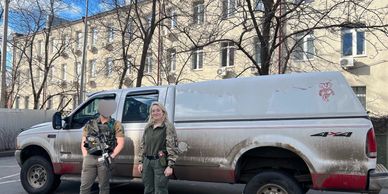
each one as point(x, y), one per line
point(153, 157)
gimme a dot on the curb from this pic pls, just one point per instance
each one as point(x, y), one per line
point(7, 153)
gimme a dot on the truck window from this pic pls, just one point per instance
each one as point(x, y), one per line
point(136, 107)
point(87, 111)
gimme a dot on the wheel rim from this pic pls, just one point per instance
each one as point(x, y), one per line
point(37, 176)
point(272, 189)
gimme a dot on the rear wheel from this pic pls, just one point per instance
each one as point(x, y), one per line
point(272, 182)
point(37, 176)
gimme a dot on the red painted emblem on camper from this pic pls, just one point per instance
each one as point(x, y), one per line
point(325, 91)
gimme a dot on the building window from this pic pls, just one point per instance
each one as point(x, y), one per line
point(111, 34)
point(353, 42)
point(149, 21)
point(78, 69)
point(129, 65)
point(26, 102)
point(130, 29)
point(75, 101)
point(360, 92)
point(198, 58)
point(148, 64)
point(94, 37)
point(92, 69)
point(199, 13)
point(17, 102)
point(173, 19)
point(40, 45)
point(227, 54)
point(304, 48)
point(257, 45)
point(51, 74)
point(49, 104)
point(259, 5)
point(63, 72)
point(171, 60)
point(109, 67)
point(51, 45)
point(78, 42)
point(228, 8)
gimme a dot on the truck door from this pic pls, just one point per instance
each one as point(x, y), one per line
point(134, 116)
point(69, 138)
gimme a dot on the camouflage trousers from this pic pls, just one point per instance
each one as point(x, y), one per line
point(153, 177)
point(91, 169)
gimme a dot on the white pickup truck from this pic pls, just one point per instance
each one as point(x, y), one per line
point(278, 134)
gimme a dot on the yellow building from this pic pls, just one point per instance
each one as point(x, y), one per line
point(206, 40)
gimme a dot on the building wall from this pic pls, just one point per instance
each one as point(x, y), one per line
point(369, 69)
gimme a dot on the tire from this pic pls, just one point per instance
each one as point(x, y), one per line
point(272, 182)
point(37, 176)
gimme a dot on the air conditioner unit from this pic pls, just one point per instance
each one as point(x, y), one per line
point(347, 62)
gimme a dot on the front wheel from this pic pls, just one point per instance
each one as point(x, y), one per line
point(37, 176)
point(272, 182)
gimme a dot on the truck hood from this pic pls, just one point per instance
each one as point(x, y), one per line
point(39, 128)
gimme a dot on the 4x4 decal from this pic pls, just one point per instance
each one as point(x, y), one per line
point(333, 134)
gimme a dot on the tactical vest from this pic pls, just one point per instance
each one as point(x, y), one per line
point(100, 138)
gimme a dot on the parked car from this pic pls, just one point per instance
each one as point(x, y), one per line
point(285, 133)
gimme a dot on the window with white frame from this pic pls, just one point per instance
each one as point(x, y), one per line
point(173, 19)
point(26, 102)
point(93, 41)
point(353, 42)
point(51, 74)
point(51, 45)
point(259, 5)
point(198, 58)
point(38, 74)
point(111, 34)
point(63, 72)
point(171, 60)
point(40, 47)
point(304, 49)
point(130, 29)
point(149, 21)
point(228, 8)
point(199, 13)
point(78, 40)
point(92, 69)
point(49, 104)
point(257, 45)
point(17, 102)
point(148, 63)
point(129, 65)
point(360, 92)
point(109, 67)
point(78, 68)
point(227, 54)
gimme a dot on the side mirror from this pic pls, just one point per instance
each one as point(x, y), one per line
point(57, 120)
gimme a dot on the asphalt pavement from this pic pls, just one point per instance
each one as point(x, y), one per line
point(10, 184)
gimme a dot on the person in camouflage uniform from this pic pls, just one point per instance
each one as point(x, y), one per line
point(95, 162)
point(158, 151)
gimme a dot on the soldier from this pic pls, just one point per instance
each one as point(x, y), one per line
point(158, 151)
point(102, 141)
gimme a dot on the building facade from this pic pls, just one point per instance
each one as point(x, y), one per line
point(206, 40)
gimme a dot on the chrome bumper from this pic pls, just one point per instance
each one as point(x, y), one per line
point(17, 156)
point(378, 178)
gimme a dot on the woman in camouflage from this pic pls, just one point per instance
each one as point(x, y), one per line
point(158, 151)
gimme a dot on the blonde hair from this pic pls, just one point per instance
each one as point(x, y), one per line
point(165, 115)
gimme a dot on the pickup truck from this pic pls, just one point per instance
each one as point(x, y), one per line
point(276, 134)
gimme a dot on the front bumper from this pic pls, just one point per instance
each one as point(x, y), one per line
point(378, 178)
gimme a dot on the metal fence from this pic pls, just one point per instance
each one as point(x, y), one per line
point(12, 121)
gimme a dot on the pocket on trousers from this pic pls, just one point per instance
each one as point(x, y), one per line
point(162, 180)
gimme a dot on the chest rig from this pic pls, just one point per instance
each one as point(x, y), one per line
point(101, 138)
